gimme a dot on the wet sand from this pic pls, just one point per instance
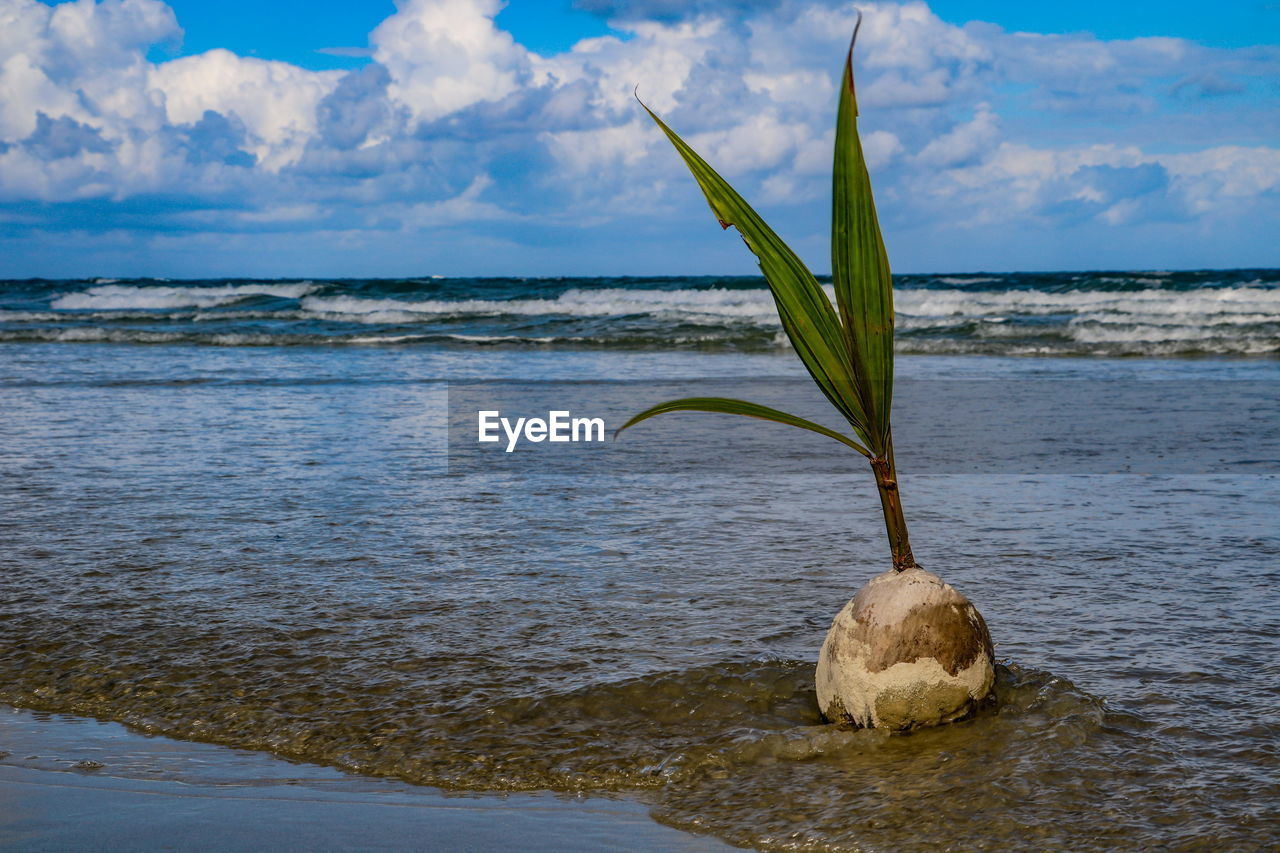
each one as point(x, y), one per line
point(70, 783)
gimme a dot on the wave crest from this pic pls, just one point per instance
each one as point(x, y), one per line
point(1152, 314)
point(115, 297)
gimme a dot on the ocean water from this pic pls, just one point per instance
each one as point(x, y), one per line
point(1232, 312)
point(243, 513)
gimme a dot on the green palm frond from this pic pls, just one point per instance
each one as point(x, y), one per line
point(860, 268)
point(726, 406)
point(807, 316)
point(848, 350)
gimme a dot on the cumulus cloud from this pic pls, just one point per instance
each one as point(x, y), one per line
point(81, 60)
point(358, 111)
point(276, 101)
point(452, 121)
point(444, 55)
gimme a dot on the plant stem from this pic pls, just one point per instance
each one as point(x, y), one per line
point(887, 482)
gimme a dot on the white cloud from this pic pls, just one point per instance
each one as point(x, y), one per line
point(758, 142)
point(444, 55)
point(1226, 173)
point(659, 59)
point(79, 59)
point(965, 143)
point(275, 101)
point(1110, 184)
point(84, 63)
point(466, 206)
point(455, 122)
point(587, 152)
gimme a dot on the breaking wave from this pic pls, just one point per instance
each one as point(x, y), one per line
point(115, 297)
point(1233, 313)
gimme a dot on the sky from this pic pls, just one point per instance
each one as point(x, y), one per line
point(318, 138)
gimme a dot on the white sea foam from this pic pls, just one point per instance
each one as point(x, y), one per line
point(1177, 318)
point(1143, 333)
point(957, 279)
point(116, 297)
point(1238, 304)
point(28, 316)
point(387, 339)
point(748, 305)
point(1243, 319)
point(1203, 302)
point(916, 308)
point(474, 339)
point(98, 334)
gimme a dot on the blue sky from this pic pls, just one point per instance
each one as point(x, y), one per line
point(462, 137)
point(298, 30)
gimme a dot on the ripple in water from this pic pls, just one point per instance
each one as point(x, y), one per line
point(280, 565)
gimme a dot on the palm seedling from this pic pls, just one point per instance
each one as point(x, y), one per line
point(907, 650)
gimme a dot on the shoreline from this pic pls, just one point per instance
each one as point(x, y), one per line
point(78, 783)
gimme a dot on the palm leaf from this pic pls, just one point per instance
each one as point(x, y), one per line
point(726, 406)
point(847, 351)
point(860, 268)
point(806, 313)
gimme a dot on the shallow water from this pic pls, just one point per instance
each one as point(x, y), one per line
point(73, 783)
point(266, 549)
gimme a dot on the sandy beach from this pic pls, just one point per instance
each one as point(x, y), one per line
point(72, 783)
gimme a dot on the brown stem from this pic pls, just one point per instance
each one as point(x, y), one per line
point(887, 482)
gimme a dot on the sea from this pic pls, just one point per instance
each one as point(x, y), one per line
point(256, 514)
point(1157, 313)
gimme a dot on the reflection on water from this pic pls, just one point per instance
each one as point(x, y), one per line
point(282, 564)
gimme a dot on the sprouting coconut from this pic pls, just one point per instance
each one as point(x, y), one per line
point(908, 650)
